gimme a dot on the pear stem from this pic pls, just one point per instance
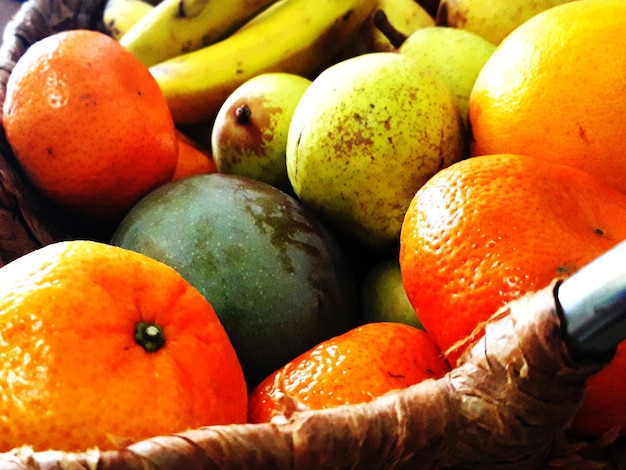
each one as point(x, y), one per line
point(441, 18)
point(395, 37)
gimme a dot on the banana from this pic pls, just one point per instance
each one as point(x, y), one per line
point(297, 36)
point(262, 15)
point(175, 27)
point(120, 15)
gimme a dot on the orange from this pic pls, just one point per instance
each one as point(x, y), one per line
point(554, 89)
point(492, 228)
point(193, 159)
point(100, 345)
point(354, 367)
point(88, 123)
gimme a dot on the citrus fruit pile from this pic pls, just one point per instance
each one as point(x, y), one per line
point(217, 298)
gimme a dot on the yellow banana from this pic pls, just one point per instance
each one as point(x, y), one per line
point(120, 15)
point(297, 36)
point(262, 15)
point(175, 27)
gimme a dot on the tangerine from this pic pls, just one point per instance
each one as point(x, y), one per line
point(355, 367)
point(491, 228)
point(193, 159)
point(100, 344)
point(88, 123)
point(554, 89)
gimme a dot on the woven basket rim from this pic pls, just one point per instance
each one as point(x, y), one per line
point(28, 221)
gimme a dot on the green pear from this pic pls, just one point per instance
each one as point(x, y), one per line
point(491, 19)
point(249, 135)
point(456, 56)
point(366, 135)
point(383, 297)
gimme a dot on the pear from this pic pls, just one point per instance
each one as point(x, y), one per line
point(383, 297)
point(249, 135)
point(365, 136)
point(491, 19)
point(456, 56)
point(403, 17)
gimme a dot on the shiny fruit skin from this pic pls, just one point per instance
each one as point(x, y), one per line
point(355, 367)
point(88, 124)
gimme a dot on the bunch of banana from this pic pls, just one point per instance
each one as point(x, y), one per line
point(297, 36)
point(121, 15)
point(175, 27)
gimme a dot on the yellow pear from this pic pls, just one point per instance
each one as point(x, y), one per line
point(491, 19)
point(249, 135)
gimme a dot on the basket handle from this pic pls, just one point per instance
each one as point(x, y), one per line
point(592, 303)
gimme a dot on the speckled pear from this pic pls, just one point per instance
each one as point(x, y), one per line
point(456, 56)
point(365, 136)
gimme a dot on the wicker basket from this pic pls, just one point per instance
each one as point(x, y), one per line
point(420, 427)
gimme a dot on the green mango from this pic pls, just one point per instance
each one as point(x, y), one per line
point(275, 275)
